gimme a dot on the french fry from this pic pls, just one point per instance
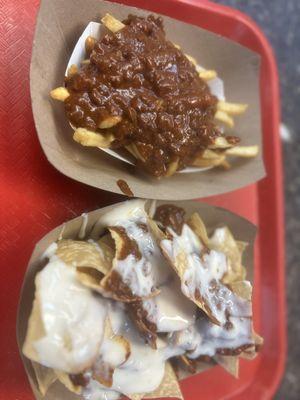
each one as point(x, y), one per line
point(132, 148)
point(85, 62)
point(243, 151)
point(210, 154)
point(177, 46)
point(110, 122)
point(172, 167)
point(60, 94)
point(191, 59)
point(73, 70)
point(92, 139)
point(225, 164)
point(232, 108)
point(209, 162)
point(89, 44)
point(207, 74)
point(220, 143)
point(222, 116)
point(111, 23)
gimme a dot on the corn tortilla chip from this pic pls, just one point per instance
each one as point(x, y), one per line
point(44, 377)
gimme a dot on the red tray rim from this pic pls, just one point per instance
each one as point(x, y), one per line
point(272, 186)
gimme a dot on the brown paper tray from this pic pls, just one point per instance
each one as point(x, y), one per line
point(212, 216)
point(55, 36)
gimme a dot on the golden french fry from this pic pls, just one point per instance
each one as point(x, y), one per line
point(210, 154)
point(92, 139)
point(220, 143)
point(209, 162)
point(85, 62)
point(232, 108)
point(111, 23)
point(132, 148)
point(177, 46)
point(243, 151)
point(191, 59)
point(222, 116)
point(73, 70)
point(225, 164)
point(208, 74)
point(172, 167)
point(110, 122)
point(89, 44)
point(60, 94)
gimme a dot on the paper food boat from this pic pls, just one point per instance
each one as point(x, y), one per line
point(237, 67)
point(213, 217)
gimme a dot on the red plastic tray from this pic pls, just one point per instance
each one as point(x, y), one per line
point(35, 198)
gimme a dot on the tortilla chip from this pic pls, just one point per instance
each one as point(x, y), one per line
point(199, 365)
point(85, 254)
point(251, 352)
point(197, 225)
point(190, 365)
point(169, 387)
point(35, 331)
point(45, 377)
point(242, 289)
point(102, 371)
point(139, 316)
point(155, 230)
point(229, 363)
point(180, 265)
point(226, 244)
point(92, 260)
point(107, 243)
point(113, 283)
point(90, 278)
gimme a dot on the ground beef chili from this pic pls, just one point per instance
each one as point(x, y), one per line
point(167, 110)
point(170, 216)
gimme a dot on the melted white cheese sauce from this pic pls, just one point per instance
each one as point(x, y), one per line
point(144, 369)
point(152, 269)
point(170, 310)
point(202, 270)
point(72, 318)
point(205, 338)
